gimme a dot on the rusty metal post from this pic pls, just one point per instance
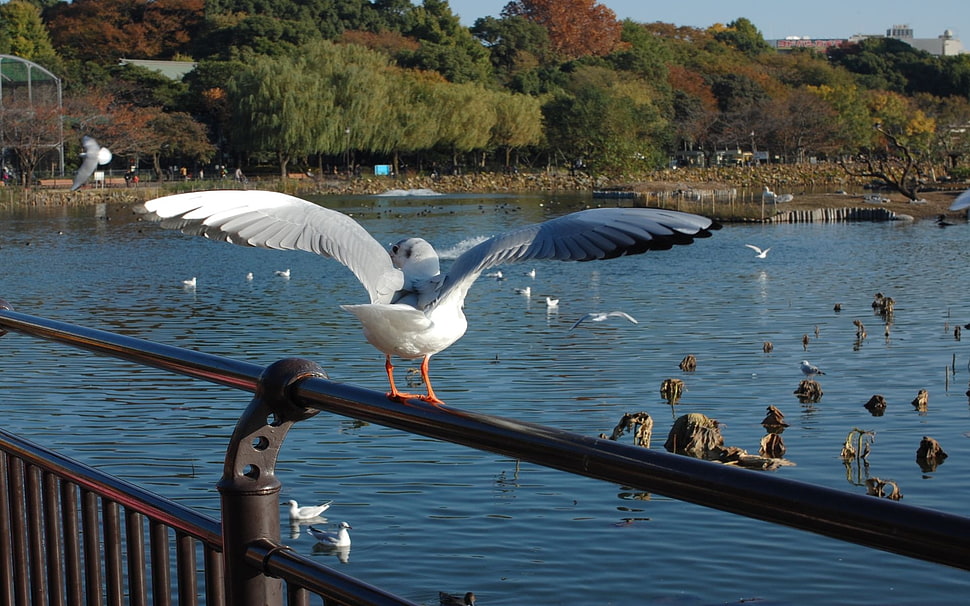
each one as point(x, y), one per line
point(249, 487)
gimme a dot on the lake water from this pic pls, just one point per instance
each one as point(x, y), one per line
point(429, 516)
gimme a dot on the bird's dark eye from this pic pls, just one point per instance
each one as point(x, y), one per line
point(394, 249)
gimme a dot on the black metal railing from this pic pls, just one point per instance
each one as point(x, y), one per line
point(254, 563)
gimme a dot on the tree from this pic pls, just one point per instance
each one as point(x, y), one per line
point(104, 31)
point(22, 33)
point(176, 136)
point(32, 132)
point(279, 107)
point(576, 27)
point(518, 122)
point(444, 45)
point(743, 36)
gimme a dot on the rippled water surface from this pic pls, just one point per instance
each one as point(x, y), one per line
point(429, 516)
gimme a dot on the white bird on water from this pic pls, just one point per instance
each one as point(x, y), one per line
point(810, 370)
point(190, 283)
point(306, 513)
point(283, 273)
point(761, 253)
point(962, 201)
point(415, 310)
point(92, 156)
point(341, 538)
point(601, 316)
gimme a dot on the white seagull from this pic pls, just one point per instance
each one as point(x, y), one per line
point(308, 512)
point(761, 253)
point(283, 273)
point(92, 155)
point(341, 538)
point(551, 303)
point(962, 201)
point(601, 316)
point(414, 309)
point(771, 197)
point(810, 370)
point(190, 283)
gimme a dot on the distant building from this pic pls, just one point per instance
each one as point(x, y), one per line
point(942, 46)
point(174, 70)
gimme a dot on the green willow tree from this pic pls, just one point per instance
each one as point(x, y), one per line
point(280, 108)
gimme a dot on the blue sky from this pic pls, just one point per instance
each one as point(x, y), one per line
point(781, 18)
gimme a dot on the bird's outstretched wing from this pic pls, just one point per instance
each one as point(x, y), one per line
point(587, 235)
point(754, 248)
point(279, 221)
point(91, 159)
point(962, 201)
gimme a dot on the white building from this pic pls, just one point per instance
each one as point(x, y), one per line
point(944, 45)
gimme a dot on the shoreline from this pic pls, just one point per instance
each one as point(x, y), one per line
point(728, 194)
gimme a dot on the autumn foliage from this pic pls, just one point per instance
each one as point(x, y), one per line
point(106, 30)
point(576, 27)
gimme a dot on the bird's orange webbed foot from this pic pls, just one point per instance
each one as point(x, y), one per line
point(399, 396)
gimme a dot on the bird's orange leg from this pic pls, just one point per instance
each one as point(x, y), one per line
point(400, 396)
point(431, 398)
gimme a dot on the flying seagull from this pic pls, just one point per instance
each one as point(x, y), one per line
point(93, 155)
point(601, 316)
point(962, 201)
point(415, 310)
point(761, 253)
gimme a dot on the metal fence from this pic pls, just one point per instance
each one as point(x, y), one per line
point(42, 560)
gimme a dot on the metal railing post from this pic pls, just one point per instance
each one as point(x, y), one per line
point(249, 487)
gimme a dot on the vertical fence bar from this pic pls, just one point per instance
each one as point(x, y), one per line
point(6, 533)
point(71, 530)
point(161, 571)
point(113, 576)
point(52, 540)
point(185, 563)
point(135, 549)
point(35, 539)
point(215, 578)
point(93, 595)
point(18, 531)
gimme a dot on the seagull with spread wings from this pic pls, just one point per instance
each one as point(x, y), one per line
point(415, 309)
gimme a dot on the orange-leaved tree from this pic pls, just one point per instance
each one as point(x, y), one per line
point(577, 28)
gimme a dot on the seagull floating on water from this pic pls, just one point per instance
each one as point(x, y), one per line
point(283, 273)
point(341, 538)
point(414, 309)
point(761, 253)
point(306, 513)
point(93, 155)
point(190, 283)
point(525, 292)
point(551, 303)
point(446, 599)
point(600, 316)
point(810, 370)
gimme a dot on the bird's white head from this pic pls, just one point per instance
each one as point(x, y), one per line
point(416, 258)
